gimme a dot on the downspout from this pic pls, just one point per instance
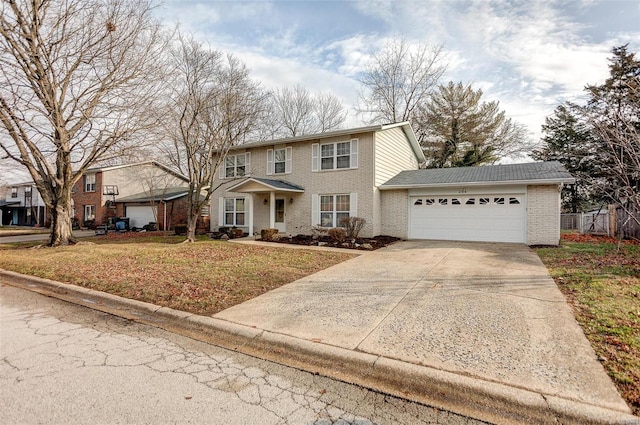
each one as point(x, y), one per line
point(164, 215)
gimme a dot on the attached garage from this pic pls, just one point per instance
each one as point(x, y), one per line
point(518, 203)
point(141, 215)
point(484, 217)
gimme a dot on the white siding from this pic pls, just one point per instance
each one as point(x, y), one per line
point(393, 153)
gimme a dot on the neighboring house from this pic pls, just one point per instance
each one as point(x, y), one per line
point(22, 205)
point(144, 192)
point(374, 173)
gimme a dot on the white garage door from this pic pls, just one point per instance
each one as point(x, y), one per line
point(488, 218)
point(141, 215)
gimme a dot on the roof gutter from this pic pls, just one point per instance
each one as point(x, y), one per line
point(487, 183)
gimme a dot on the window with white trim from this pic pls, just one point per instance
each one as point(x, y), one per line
point(334, 208)
point(14, 192)
point(234, 211)
point(335, 156)
point(279, 160)
point(90, 183)
point(235, 165)
point(89, 212)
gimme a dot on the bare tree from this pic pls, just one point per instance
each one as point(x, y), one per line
point(329, 111)
point(74, 88)
point(295, 111)
point(398, 80)
point(214, 105)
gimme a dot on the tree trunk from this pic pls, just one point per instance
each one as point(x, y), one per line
point(61, 231)
point(192, 222)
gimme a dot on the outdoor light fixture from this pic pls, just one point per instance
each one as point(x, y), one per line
point(291, 200)
point(265, 202)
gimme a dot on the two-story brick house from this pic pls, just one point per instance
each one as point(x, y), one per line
point(374, 173)
point(144, 192)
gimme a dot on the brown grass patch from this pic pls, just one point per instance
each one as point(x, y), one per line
point(203, 278)
point(601, 281)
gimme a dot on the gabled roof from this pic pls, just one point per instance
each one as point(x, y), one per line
point(166, 194)
point(406, 127)
point(136, 164)
point(551, 172)
point(266, 185)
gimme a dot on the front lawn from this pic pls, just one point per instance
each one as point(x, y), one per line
point(602, 285)
point(203, 278)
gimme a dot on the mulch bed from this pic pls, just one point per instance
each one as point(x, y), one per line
point(367, 244)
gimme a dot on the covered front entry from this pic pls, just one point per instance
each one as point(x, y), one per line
point(275, 193)
point(483, 217)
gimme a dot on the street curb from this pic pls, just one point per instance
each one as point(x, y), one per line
point(484, 400)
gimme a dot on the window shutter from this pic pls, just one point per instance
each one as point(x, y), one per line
point(354, 153)
point(287, 164)
point(269, 162)
point(353, 204)
point(315, 210)
point(247, 163)
point(315, 156)
point(221, 171)
point(221, 212)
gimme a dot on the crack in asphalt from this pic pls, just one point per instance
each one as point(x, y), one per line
point(112, 342)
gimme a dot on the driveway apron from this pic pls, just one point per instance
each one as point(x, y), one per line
point(486, 311)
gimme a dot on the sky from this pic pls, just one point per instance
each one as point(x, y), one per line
point(529, 55)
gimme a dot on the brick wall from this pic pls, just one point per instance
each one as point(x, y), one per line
point(543, 215)
point(82, 198)
point(395, 212)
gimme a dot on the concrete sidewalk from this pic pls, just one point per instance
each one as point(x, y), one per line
point(477, 329)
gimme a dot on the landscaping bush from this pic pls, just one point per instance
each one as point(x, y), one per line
point(337, 234)
point(352, 226)
point(268, 234)
point(180, 229)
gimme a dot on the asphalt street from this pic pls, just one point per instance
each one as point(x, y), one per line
point(61, 363)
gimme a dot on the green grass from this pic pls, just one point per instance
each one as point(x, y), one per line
point(203, 277)
point(601, 281)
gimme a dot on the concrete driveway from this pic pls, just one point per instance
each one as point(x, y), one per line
point(490, 312)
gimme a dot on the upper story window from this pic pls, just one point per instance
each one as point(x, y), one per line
point(27, 191)
point(235, 166)
point(90, 183)
point(335, 156)
point(14, 192)
point(279, 161)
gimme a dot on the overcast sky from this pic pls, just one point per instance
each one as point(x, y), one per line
point(529, 55)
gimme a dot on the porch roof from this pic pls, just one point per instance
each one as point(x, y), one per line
point(257, 185)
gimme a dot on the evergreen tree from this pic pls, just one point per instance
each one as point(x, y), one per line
point(568, 140)
point(458, 129)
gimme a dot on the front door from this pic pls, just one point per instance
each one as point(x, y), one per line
point(280, 214)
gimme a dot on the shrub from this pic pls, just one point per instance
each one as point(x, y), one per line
point(319, 232)
point(268, 234)
point(352, 226)
point(180, 229)
point(337, 234)
point(90, 224)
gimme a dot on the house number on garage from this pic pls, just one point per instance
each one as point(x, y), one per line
point(463, 190)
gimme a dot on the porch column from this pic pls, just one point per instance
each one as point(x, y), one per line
point(250, 209)
point(272, 210)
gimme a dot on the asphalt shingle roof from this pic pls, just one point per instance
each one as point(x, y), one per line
point(165, 194)
point(278, 184)
point(551, 171)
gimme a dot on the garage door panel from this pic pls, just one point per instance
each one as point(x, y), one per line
point(491, 218)
point(141, 215)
